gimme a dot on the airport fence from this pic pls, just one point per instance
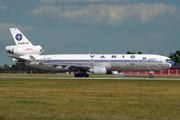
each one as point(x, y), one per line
point(159, 72)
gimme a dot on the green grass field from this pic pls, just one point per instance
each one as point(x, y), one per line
point(75, 99)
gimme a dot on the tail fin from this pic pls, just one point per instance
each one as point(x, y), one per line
point(19, 38)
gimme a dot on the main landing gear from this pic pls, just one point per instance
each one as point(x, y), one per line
point(81, 73)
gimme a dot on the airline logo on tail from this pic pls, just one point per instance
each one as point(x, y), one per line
point(18, 37)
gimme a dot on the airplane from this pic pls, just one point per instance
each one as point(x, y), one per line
point(83, 64)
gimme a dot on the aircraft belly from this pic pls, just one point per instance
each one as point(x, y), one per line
point(144, 67)
point(114, 66)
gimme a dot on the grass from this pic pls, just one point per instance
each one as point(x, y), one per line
point(88, 99)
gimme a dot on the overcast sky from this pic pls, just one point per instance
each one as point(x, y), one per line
point(93, 26)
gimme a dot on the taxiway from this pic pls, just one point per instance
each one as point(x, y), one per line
point(117, 77)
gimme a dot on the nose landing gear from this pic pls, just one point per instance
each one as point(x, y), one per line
point(151, 74)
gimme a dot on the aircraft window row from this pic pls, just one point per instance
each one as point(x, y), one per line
point(23, 43)
point(55, 61)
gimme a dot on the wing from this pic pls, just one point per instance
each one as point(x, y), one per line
point(70, 65)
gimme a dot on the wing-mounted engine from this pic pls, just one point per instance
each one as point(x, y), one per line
point(98, 70)
point(25, 50)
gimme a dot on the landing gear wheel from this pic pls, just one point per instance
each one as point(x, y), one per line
point(150, 76)
point(86, 75)
point(81, 75)
point(76, 75)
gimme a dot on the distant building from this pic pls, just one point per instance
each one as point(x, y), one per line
point(174, 70)
point(177, 66)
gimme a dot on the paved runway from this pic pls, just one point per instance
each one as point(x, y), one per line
point(116, 77)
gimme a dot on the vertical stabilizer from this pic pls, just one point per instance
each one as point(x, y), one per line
point(19, 38)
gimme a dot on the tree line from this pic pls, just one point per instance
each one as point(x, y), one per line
point(174, 56)
point(20, 68)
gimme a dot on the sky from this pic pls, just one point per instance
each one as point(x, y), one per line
point(92, 26)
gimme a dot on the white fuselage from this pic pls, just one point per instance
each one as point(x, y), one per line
point(112, 62)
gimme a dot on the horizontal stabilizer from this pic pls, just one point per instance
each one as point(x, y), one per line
point(33, 59)
point(21, 59)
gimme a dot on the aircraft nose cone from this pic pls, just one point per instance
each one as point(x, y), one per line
point(172, 63)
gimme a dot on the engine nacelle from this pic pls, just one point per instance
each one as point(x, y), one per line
point(25, 50)
point(98, 70)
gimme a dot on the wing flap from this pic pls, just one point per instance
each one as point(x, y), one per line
point(71, 65)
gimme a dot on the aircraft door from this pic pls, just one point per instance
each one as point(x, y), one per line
point(41, 60)
point(132, 62)
point(160, 66)
point(91, 61)
point(160, 61)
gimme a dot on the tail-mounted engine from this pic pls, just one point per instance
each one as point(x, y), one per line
point(24, 50)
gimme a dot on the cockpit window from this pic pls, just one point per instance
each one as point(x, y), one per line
point(168, 59)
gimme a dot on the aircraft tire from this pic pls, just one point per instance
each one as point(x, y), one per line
point(75, 75)
point(86, 75)
point(79, 75)
point(150, 76)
